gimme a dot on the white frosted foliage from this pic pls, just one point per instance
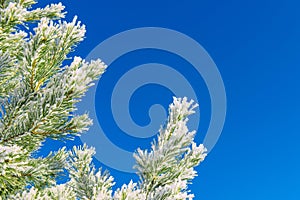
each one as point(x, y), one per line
point(40, 85)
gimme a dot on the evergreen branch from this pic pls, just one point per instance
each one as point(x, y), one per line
point(8, 74)
point(53, 11)
point(48, 48)
point(58, 192)
point(163, 165)
point(44, 171)
point(129, 192)
point(23, 3)
point(47, 112)
point(85, 181)
point(12, 165)
point(13, 13)
point(38, 97)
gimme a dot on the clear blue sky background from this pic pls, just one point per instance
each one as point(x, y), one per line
point(256, 46)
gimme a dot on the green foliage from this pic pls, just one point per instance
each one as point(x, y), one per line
point(37, 93)
point(38, 96)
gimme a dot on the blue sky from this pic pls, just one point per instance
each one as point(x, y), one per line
point(255, 45)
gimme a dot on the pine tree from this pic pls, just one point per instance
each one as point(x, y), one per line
point(38, 96)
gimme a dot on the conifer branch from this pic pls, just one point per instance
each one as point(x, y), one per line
point(38, 96)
